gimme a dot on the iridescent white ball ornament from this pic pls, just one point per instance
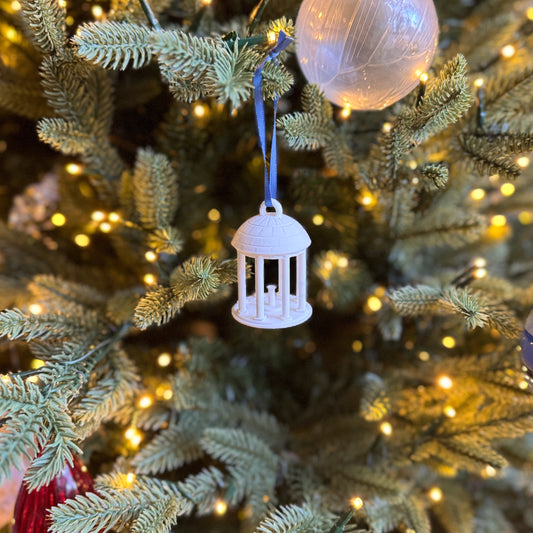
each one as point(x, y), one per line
point(366, 54)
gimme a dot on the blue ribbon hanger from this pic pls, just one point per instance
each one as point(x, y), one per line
point(271, 178)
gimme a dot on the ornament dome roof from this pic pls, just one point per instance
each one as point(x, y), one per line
point(271, 235)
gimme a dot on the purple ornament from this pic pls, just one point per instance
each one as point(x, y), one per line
point(526, 343)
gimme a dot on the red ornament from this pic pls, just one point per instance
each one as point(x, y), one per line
point(31, 508)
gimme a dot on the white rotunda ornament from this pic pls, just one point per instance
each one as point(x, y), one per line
point(278, 238)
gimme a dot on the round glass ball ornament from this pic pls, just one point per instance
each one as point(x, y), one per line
point(366, 54)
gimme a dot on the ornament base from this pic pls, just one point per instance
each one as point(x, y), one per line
point(273, 313)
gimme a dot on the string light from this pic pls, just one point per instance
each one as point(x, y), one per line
point(5, 378)
point(164, 359)
point(272, 37)
point(11, 34)
point(477, 194)
point(424, 77)
point(386, 429)
point(97, 11)
point(367, 199)
point(498, 221)
point(199, 110)
point(62, 3)
point(97, 216)
point(346, 112)
point(113, 217)
point(489, 471)
point(423, 356)
point(508, 51)
point(342, 262)
point(73, 169)
point(525, 217)
point(82, 240)
point(449, 411)
point(134, 436)
point(412, 165)
point(445, 382)
point(58, 219)
point(480, 262)
point(150, 256)
point(35, 309)
point(529, 13)
point(214, 215)
point(105, 227)
point(387, 127)
point(16, 6)
point(130, 478)
point(167, 394)
point(149, 279)
point(523, 162)
point(479, 82)
point(523, 385)
point(221, 507)
point(374, 303)
point(448, 342)
point(480, 273)
point(357, 502)
point(145, 401)
point(435, 494)
point(35, 364)
point(357, 346)
point(318, 220)
point(507, 189)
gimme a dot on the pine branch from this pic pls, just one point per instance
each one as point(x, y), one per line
point(488, 159)
point(108, 395)
point(114, 45)
point(455, 511)
point(277, 80)
point(446, 102)
point(22, 399)
point(117, 502)
point(155, 189)
point(169, 450)
point(203, 488)
point(367, 482)
point(438, 174)
point(304, 131)
point(238, 448)
point(96, 512)
point(194, 280)
point(231, 76)
point(375, 403)
point(16, 325)
point(55, 292)
point(157, 307)
point(289, 519)
point(23, 98)
point(160, 516)
point(444, 227)
point(65, 136)
point(47, 21)
point(59, 450)
point(384, 516)
point(185, 55)
point(165, 240)
point(314, 103)
point(411, 301)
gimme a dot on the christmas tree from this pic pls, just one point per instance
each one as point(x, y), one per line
point(129, 158)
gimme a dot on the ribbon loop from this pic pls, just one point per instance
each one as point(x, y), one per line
point(271, 175)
